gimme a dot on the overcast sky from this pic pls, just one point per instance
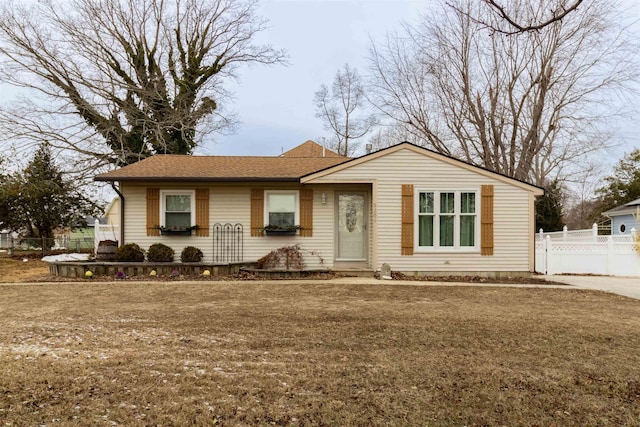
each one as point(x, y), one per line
point(275, 104)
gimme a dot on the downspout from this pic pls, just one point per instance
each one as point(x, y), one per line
point(121, 212)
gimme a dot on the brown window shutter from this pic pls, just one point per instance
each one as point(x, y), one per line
point(257, 212)
point(153, 211)
point(306, 212)
point(407, 219)
point(486, 221)
point(202, 212)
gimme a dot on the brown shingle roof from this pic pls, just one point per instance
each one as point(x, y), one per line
point(310, 149)
point(167, 167)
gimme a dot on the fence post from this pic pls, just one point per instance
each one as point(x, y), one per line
point(610, 256)
point(636, 246)
point(547, 256)
point(541, 232)
point(594, 232)
point(96, 235)
point(565, 232)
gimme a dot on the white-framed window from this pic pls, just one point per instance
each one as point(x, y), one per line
point(177, 208)
point(447, 220)
point(282, 208)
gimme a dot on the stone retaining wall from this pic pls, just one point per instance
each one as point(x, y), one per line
point(103, 268)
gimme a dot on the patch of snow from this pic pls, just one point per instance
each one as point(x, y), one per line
point(66, 257)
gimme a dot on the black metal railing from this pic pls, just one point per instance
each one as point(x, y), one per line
point(228, 243)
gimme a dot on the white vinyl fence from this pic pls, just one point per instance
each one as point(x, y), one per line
point(105, 232)
point(585, 252)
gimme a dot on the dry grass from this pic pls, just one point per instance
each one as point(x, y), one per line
point(233, 354)
point(16, 270)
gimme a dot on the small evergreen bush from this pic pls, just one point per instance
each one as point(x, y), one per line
point(159, 252)
point(130, 252)
point(191, 254)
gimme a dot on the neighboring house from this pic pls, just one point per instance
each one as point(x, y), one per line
point(624, 218)
point(83, 235)
point(112, 213)
point(417, 210)
point(80, 237)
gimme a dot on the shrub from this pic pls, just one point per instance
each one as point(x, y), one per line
point(159, 252)
point(191, 254)
point(288, 257)
point(130, 252)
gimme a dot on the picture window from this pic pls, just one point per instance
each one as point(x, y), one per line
point(447, 219)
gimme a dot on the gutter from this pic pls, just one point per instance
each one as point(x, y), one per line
point(196, 179)
point(113, 185)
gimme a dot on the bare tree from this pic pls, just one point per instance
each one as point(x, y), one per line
point(514, 24)
point(387, 135)
point(343, 110)
point(522, 106)
point(120, 80)
point(583, 203)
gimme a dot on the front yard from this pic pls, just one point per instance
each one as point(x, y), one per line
point(225, 353)
point(16, 269)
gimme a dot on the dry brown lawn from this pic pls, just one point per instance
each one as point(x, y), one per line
point(236, 354)
point(14, 269)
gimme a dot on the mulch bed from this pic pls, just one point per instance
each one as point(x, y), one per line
point(246, 276)
point(476, 279)
point(180, 278)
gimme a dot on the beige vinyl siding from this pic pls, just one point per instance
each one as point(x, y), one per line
point(112, 214)
point(512, 220)
point(232, 204)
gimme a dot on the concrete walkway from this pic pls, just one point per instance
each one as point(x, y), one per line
point(626, 286)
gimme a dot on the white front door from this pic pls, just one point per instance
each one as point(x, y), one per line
point(351, 221)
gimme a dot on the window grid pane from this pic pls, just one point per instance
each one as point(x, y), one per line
point(178, 203)
point(447, 202)
point(446, 230)
point(467, 230)
point(178, 219)
point(426, 203)
point(467, 202)
point(425, 230)
point(281, 219)
point(282, 203)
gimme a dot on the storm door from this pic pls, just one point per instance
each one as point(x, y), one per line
point(351, 222)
